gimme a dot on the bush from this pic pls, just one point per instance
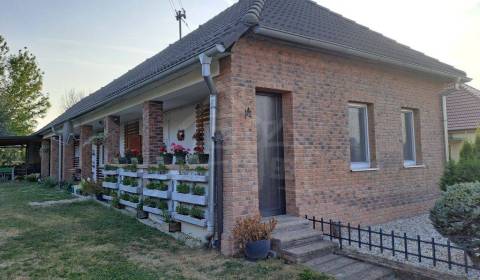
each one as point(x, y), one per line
point(182, 210)
point(183, 188)
point(252, 229)
point(197, 212)
point(49, 182)
point(198, 190)
point(32, 177)
point(129, 181)
point(456, 215)
point(91, 188)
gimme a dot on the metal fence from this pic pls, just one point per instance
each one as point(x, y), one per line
point(388, 242)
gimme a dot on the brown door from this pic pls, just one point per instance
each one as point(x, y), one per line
point(271, 181)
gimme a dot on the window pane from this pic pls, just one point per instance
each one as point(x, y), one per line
point(358, 134)
point(408, 136)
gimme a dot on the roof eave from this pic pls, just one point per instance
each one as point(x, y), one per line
point(311, 42)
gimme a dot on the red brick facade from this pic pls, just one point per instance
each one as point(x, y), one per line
point(112, 138)
point(316, 89)
point(68, 154)
point(152, 131)
point(45, 158)
point(54, 162)
point(86, 133)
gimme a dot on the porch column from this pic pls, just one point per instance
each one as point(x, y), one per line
point(54, 162)
point(45, 158)
point(152, 130)
point(112, 138)
point(86, 132)
point(68, 154)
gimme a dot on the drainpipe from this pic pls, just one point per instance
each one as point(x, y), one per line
point(206, 60)
point(445, 119)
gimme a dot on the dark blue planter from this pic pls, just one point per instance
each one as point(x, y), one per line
point(257, 250)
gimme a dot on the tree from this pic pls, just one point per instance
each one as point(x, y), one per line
point(21, 97)
point(71, 98)
point(456, 216)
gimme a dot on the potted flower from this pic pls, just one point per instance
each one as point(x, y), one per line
point(254, 237)
point(116, 201)
point(180, 153)
point(202, 157)
point(173, 226)
point(166, 156)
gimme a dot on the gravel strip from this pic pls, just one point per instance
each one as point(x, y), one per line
point(413, 227)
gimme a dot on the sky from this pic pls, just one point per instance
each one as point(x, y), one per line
point(83, 45)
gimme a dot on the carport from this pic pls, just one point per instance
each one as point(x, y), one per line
point(31, 145)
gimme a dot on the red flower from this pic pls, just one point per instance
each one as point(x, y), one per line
point(179, 149)
point(199, 149)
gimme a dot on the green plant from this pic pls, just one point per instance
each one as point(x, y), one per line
point(116, 201)
point(167, 218)
point(456, 215)
point(129, 181)
point(200, 170)
point(32, 177)
point(308, 274)
point(109, 167)
point(49, 182)
point(90, 187)
point(184, 169)
point(160, 169)
point(110, 179)
point(130, 197)
point(183, 188)
point(182, 210)
point(156, 203)
point(153, 185)
point(197, 212)
point(198, 190)
point(131, 167)
point(252, 229)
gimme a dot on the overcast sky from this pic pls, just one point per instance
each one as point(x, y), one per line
point(84, 45)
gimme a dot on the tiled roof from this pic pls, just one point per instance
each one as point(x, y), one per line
point(463, 109)
point(299, 17)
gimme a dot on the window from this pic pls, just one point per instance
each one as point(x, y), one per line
point(359, 142)
point(408, 138)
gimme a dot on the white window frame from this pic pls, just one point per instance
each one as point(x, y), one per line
point(413, 162)
point(365, 164)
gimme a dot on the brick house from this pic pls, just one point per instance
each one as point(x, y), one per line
point(318, 115)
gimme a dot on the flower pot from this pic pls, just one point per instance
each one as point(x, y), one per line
point(99, 197)
point(174, 226)
point(257, 250)
point(203, 158)
point(141, 214)
point(167, 159)
point(180, 158)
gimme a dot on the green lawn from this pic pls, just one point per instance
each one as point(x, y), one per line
point(85, 240)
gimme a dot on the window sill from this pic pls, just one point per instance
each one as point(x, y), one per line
point(363, 169)
point(414, 166)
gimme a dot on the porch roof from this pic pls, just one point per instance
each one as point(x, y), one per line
point(296, 18)
point(18, 140)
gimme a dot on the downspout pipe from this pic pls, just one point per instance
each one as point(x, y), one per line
point(445, 119)
point(206, 61)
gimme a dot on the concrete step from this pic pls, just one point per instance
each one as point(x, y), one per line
point(307, 252)
point(344, 268)
point(294, 238)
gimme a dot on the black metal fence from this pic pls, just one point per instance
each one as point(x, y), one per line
point(347, 234)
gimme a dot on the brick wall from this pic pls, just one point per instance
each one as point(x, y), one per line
point(316, 88)
point(86, 133)
point(112, 138)
point(68, 154)
point(54, 162)
point(45, 158)
point(152, 131)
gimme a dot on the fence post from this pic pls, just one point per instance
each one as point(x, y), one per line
point(393, 243)
point(330, 229)
point(405, 244)
point(434, 254)
point(449, 254)
point(349, 235)
point(370, 238)
point(313, 222)
point(340, 234)
point(359, 237)
point(465, 260)
point(419, 246)
point(381, 241)
point(321, 223)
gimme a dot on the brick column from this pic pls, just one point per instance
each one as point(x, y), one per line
point(45, 158)
point(54, 162)
point(152, 130)
point(112, 138)
point(86, 132)
point(68, 153)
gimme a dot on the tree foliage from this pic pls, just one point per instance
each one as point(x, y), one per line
point(467, 169)
point(71, 98)
point(456, 215)
point(22, 101)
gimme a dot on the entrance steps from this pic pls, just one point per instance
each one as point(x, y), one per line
point(295, 241)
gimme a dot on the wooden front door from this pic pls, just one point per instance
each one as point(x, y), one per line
point(271, 180)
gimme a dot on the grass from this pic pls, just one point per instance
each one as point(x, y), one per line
point(87, 241)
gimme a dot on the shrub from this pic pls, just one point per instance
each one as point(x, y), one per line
point(89, 187)
point(161, 186)
point(130, 197)
point(252, 229)
point(456, 215)
point(156, 203)
point(110, 179)
point(197, 212)
point(182, 210)
point(183, 188)
point(32, 177)
point(200, 170)
point(129, 181)
point(198, 190)
point(49, 182)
